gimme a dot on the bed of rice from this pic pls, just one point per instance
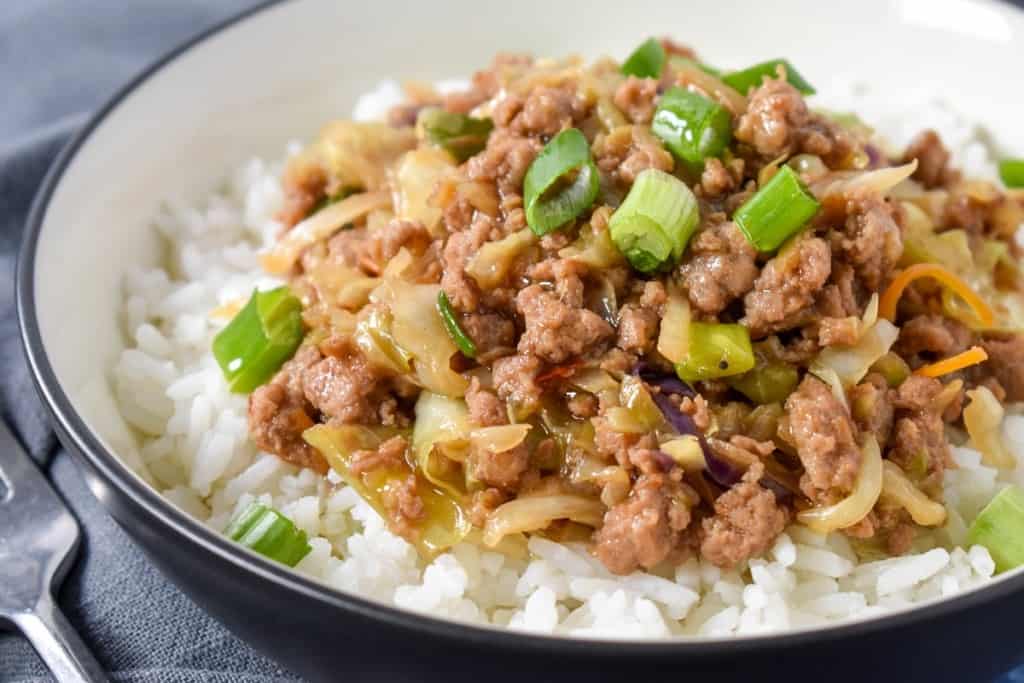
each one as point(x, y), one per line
point(196, 450)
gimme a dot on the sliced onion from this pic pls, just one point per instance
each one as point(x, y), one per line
point(686, 452)
point(861, 500)
point(851, 363)
point(852, 184)
point(491, 265)
point(282, 256)
point(896, 488)
point(537, 512)
point(983, 418)
point(500, 438)
point(673, 337)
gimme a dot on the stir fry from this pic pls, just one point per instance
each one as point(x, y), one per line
point(654, 306)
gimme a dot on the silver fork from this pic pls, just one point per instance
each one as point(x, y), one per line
point(38, 541)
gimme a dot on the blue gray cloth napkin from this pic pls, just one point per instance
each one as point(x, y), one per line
point(59, 60)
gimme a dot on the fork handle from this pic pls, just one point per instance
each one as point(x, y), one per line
point(58, 645)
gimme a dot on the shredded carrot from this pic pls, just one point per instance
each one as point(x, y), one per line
point(887, 304)
point(971, 356)
point(560, 371)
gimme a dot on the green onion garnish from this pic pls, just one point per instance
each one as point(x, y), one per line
point(769, 383)
point(654, 223)
point(451, 324)
point(1000, 528)
point(716, 350)
point(269, 533)
point(646, 61)
point(1012, 172)
point(257, 342)
point(561, 182)
point(692, 127)
point(776, 211)
point(460, 135)
point(750, 78)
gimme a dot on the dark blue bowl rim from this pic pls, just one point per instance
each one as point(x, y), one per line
point(175, 523)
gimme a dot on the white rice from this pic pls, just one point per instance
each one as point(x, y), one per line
point(195, 447)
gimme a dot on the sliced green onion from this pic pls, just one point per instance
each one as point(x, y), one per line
point(646, 61)
point(750, 78)
point(269, 533)
point(257, 341)
point(892, 368)
point(561, 182)
point(691, 126)
point(770, 383)
point(656, 220)
point(451, 325)
point(716, 350)
point(460, 135)
point(1000, 528)
point(777, 211)
point(1012, 172)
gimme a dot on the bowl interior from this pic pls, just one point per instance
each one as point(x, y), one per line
point(284, 71)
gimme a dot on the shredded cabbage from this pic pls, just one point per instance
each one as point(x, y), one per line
point(417, 327)
point(492, 263)
point(674, 334)
point(357, 154)
point(416, 178)
point(843, 185)
point(537, 512)
point(440, 437)
point(851, 363)
point(898, 489)
point(854, 507)
point(983, 418)
point(282, 256)
point(444, 522)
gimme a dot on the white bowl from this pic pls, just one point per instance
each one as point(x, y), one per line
point(247, 88)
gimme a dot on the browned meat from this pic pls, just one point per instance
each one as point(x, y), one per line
point(932, 158)
point(639, 322)
point(775, 113)
point(493, 334)
point(747, 520)
point(825, 439)
point(636, 98)
point(582, 405)
point(785, 289)
point(404, 508)
point(504, 161)
point(545, 111)
point(715, 179)
point(919, 443)
point(391, 453)
point(515, 378)
point(304, 184)
point(279, 413)
point(645, 528)
point(382, 245)
point(347, 389)
point(934, 334)
point(462, 290)
point(838, 331)
point(556, 331)
point(485, 409)
point(501, 470)
point(719, 267)
point(404, 115)
point(620, 446)
point(626, 151)
point(483, 503)
point(872, 242)
point(871, 403)
point(1006, 364)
